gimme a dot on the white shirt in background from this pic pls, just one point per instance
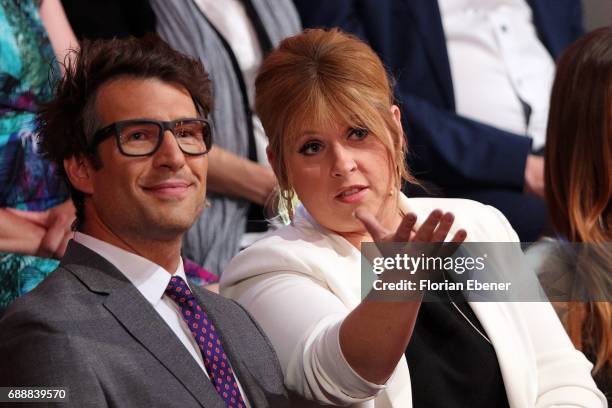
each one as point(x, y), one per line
point(497, 61)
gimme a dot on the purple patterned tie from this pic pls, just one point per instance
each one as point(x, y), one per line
point(203, 331)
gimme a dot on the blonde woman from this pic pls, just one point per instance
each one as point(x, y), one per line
point(337, 145)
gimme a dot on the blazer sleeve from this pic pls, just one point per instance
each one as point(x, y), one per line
point(563, 373)
point(33, 354)
point(454, 151)
point(302, 319)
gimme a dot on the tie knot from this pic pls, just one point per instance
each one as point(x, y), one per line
point(178, 290)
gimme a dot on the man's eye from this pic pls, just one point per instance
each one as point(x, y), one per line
point(185, 133)
point(136, 137)
point(358, 133)
point(310, 148)
point(187, 130)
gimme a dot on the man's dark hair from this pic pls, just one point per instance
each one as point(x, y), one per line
point(67, 124)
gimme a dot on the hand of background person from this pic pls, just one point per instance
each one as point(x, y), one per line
point(268, 184)
point(213, 287)
point(236, 176)
point(57, 222)
point(18, 235)
point(534, 175)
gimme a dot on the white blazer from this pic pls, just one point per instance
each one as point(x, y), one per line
point(299, 282)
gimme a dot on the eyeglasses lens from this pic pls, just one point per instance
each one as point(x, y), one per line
point(192, 136)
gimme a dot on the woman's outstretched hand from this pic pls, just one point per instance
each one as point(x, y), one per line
point(434, 229)
point(379, 321)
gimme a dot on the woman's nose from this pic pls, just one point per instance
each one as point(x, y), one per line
point(343, 161)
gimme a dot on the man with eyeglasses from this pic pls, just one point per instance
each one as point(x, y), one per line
point(118, 324)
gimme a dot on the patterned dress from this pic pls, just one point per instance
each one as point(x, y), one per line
point(27, 181)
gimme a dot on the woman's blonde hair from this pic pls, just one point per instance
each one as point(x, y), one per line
point(321, 78)
point(578, 176)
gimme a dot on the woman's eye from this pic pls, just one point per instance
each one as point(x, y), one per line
point(310, 148)
point(358, 133)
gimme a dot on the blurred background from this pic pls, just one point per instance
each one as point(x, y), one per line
point(597, 13)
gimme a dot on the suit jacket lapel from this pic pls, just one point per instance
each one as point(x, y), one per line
point(542, 22)
point(427, 18)
point(249, 384)
point(143, 322)
point(501, 330)
point(139, 318)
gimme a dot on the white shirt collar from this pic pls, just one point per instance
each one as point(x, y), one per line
point(149, 278)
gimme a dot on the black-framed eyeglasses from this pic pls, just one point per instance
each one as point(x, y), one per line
point(143, 137)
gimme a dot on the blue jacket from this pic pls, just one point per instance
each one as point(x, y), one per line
point(447, 149)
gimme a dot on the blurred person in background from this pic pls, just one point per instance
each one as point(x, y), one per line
point(96, 19)
point(578, 176)
point(34, 35)
point(231, 37)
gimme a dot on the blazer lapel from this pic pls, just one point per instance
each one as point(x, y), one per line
point(255, 393)
point(545, 26)
point(539, 22)
point(503, 333)
point(427, 18)
point(138, 317)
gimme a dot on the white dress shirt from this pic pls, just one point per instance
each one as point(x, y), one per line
point(151, 280)
point(497, 61)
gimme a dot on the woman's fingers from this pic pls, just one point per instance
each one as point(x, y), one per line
point(61, 249)
point(459, 236)
point(449, 248)
point(425, 232)
point(435, 228)
point(376, 230)
point(405, 229)
point(443, 227)
point(55, 240)
point(40, 218)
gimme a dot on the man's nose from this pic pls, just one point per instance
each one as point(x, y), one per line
point(169, 153)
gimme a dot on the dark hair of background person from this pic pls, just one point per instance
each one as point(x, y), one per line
point(67, 123)
point(578, 176)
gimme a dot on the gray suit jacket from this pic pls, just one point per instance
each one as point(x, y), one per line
point(86, 327)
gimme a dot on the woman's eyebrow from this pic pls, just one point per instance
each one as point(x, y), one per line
point(308, 133)
point(299, 138)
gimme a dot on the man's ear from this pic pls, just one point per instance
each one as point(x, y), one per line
point(79, 171)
